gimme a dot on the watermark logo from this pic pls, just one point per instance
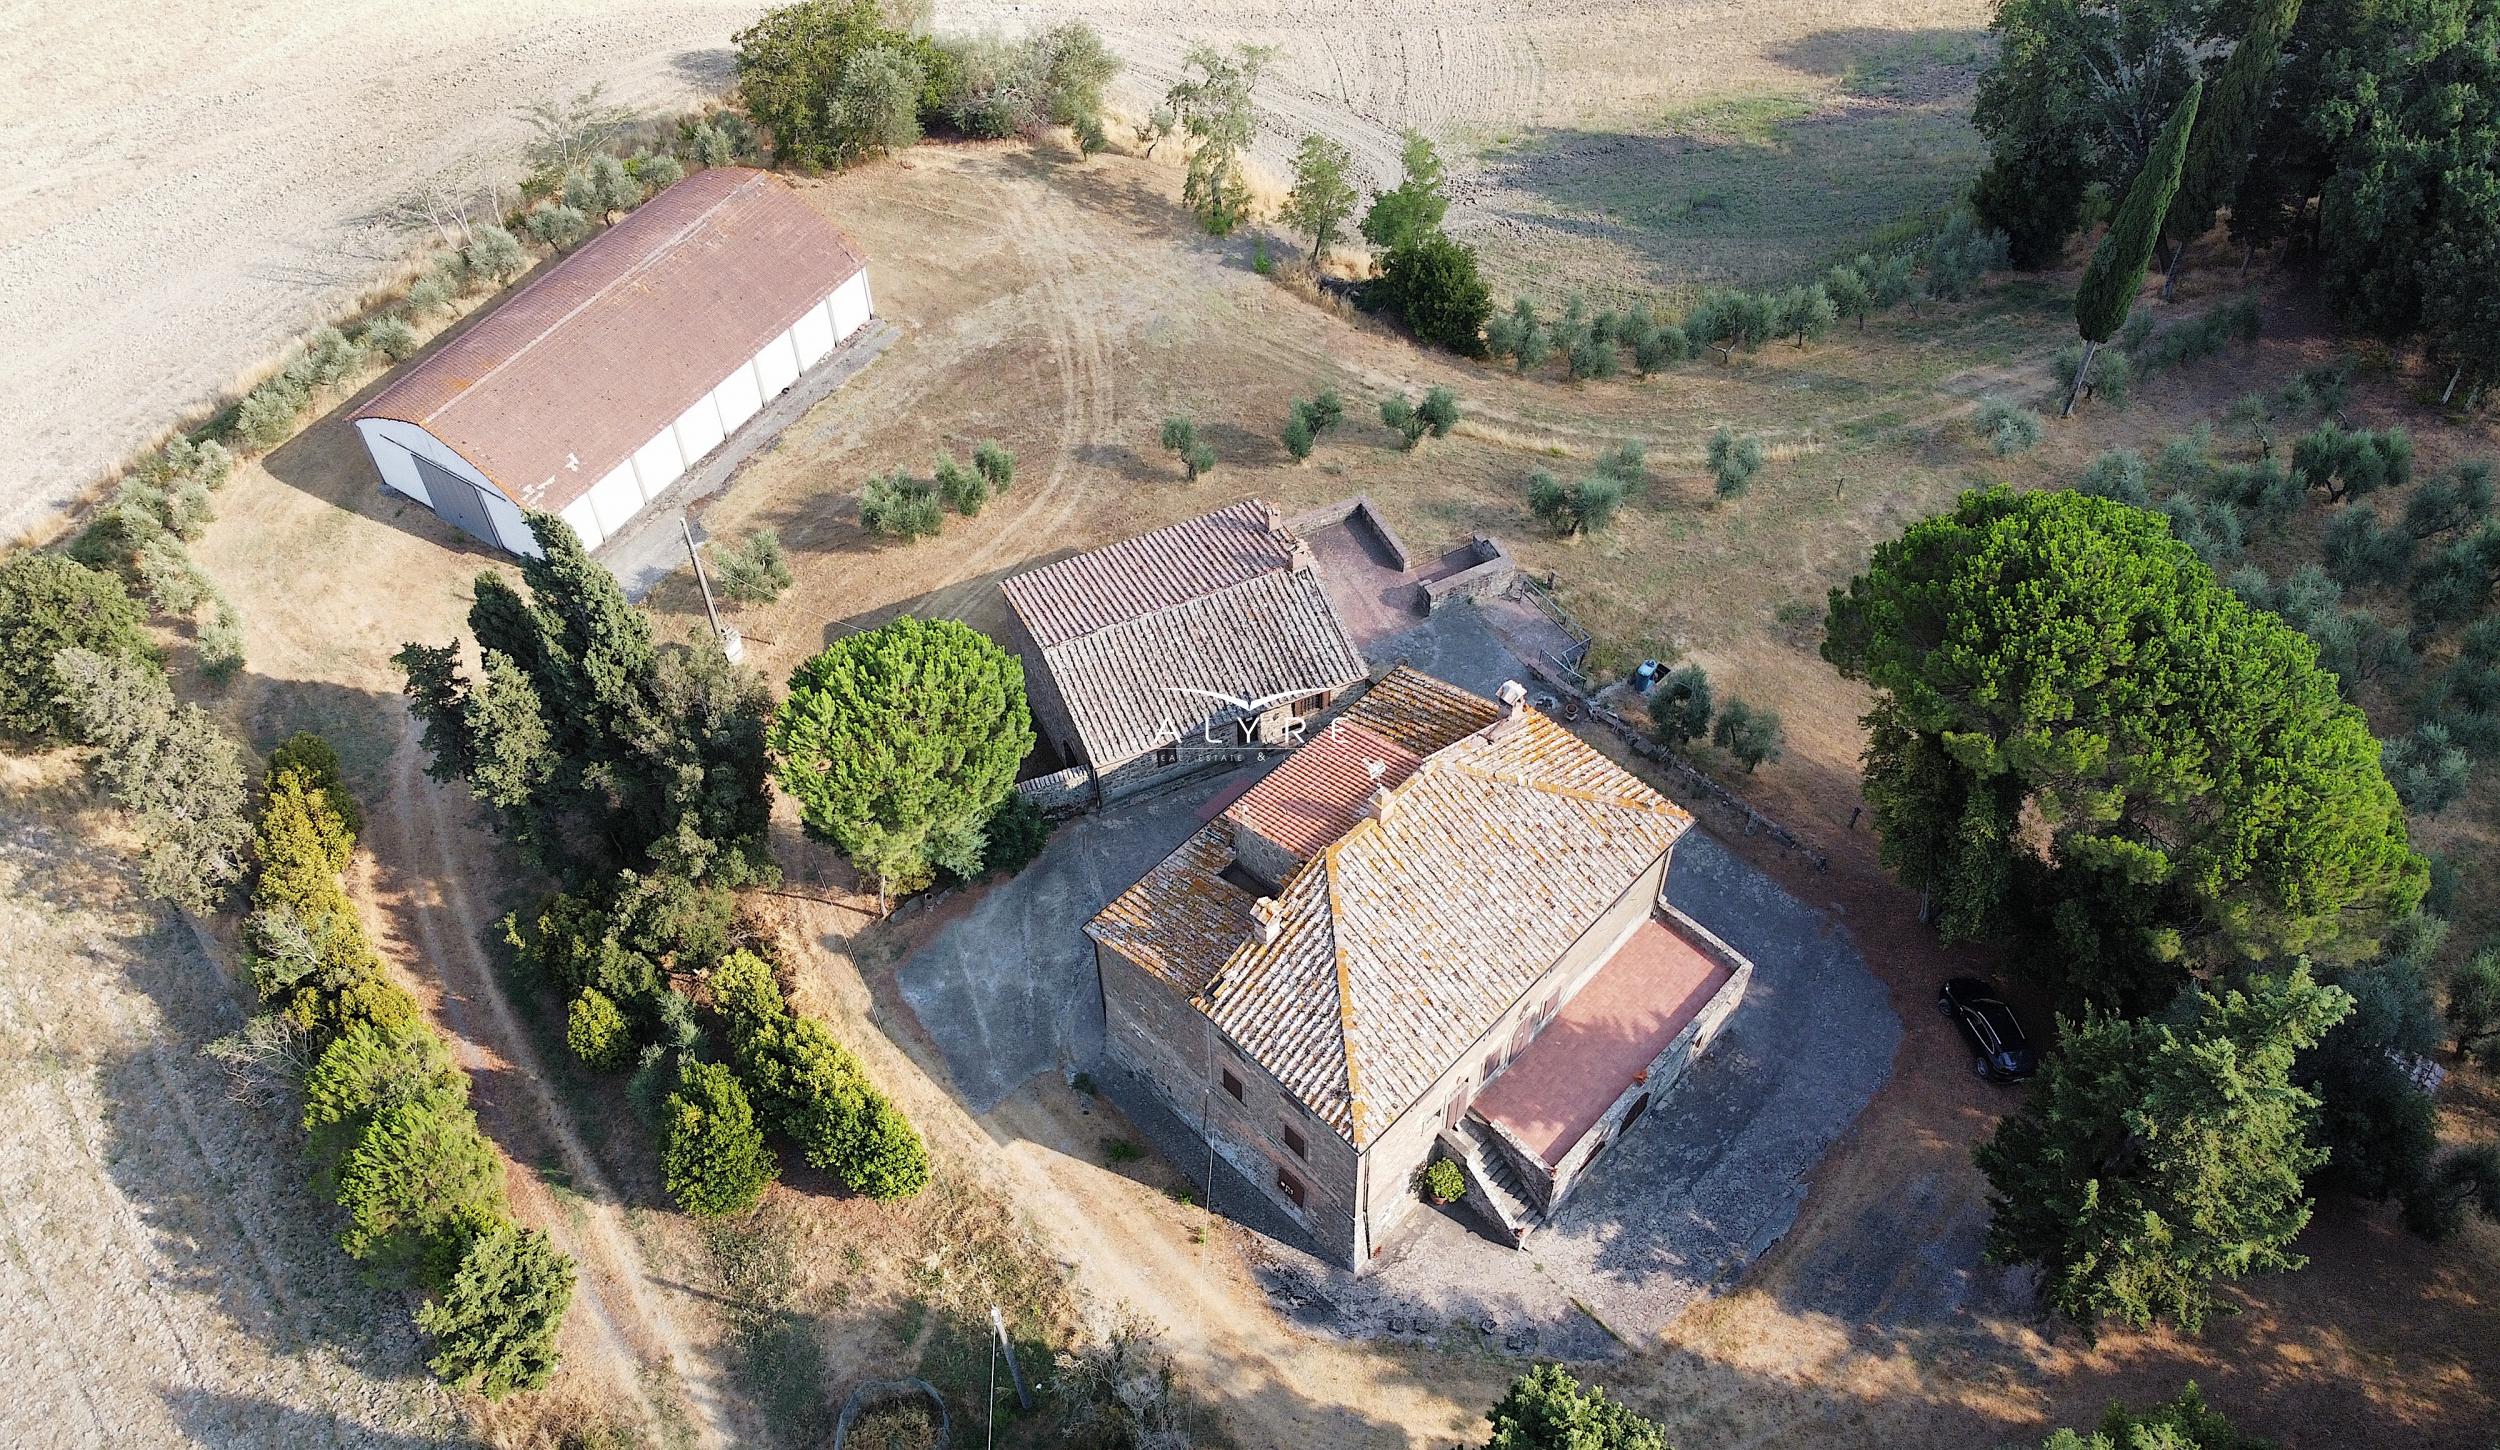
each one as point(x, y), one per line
point(1273, 732)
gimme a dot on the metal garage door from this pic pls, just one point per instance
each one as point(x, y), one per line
point(457, 500)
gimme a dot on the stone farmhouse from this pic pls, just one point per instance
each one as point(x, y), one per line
point(1439, 927)
point(1194, 646)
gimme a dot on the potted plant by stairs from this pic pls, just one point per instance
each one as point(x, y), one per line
point(1441, 1182)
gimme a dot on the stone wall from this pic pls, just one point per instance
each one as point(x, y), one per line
point(1357, 512)
point(1151, 1030)
point(1489, 575)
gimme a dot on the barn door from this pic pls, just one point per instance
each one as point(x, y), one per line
point(457, 501)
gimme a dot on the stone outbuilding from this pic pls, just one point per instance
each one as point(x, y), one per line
point(1439, 928)
point(1195, 646)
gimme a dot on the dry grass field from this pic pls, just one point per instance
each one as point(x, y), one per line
point(1065, 307)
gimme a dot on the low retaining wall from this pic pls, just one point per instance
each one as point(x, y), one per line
point(1489, 575)
point(1356, 512)
point(1061, 793)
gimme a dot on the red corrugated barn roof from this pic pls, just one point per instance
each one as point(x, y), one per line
point(609, 345)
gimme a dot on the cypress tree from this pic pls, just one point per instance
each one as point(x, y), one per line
point(2226, 130)
point(2116, 272)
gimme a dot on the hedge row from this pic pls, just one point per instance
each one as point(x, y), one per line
point(386, 1110)
point(812, 1091)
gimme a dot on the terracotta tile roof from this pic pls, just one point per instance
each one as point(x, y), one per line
point(1420, 712)
point(606, 347)
point(1182, 918)
point(1180, 627)
point(1134, 577)
point(1316, 797)
point(1403, 941)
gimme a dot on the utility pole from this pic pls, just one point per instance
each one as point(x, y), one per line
point(730, 644)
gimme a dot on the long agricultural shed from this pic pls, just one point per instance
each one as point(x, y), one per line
point(591, 390)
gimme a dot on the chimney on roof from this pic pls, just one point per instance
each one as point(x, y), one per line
point(1382, 802)
point(1514, 698)
point(1271, 919)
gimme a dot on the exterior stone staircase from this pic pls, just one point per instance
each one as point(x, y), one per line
point(1493, 1187)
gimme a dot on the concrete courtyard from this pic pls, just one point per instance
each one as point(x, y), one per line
point(1695, 1191)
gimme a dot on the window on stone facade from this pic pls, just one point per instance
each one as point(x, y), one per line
point(1492, 1064)
point(1289, 1186)
point(1232, 1084)
point(1294, 1141)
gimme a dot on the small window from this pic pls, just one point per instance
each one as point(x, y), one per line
point(1232, 1084)
point(1294, 1141)
point(1168, 755)
point(1492, 1065)
point(1289, 1186)
point(1546, 1012)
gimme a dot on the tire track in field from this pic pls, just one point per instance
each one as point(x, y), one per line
point(1076, 350)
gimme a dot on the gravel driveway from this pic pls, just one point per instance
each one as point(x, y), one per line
point(1008, 989)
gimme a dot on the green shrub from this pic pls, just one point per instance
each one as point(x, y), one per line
point(964, 489)
point(1439, 410)
point(419, 1184)
point(1297, 435)
point(1679, 707)
point(2347, 464)
point(713, 1159)
point(1442, 1182)
point(1587, 506)
point(996, 464)
point(370, 1066)
point(429, 295)
point(2427, 769)
point(496, 1322)
point(557, 227)
point(1749, 733)
point(2112, 380)
point(390, 336)
point(221, 644)
point(2451, 502)
point(1432, 282)
point(2361, 551)
point(899, 507)
point(49, 604)
point(812, 1091)
point(2007, 427)
point(1180, 437)
point(1017, 832)
point(1734, 460)
point(494, 253)
point(754, 570)
point(2119, 473)
point(169, 764)
point(1401, 414)
point(598, 1033)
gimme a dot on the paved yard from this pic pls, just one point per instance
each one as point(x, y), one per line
point(1008, 989)
point(1694, 1192)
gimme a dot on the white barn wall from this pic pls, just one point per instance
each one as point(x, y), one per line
point(585, 522)
point(849, 305)
point(813, 333)
point(636, 483)
point(658, 463)
point(738, 398)
point(777, 366)
point(698, 429)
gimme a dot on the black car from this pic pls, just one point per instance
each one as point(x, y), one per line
point(2005, 1050)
